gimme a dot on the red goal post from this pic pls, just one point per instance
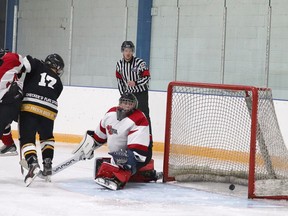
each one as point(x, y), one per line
point(225, 133)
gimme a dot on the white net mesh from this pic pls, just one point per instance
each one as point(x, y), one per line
point(210, 137)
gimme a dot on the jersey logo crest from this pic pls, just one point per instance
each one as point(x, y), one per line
point(111, 130)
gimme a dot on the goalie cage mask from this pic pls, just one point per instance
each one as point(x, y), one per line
point(126, 98)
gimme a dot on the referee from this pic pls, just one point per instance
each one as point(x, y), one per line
point(133, 76)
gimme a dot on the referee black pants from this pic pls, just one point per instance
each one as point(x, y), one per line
point(143, 105)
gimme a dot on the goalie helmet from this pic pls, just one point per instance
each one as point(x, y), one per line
point(127, 44)
point(55, 62)
point(127, 105)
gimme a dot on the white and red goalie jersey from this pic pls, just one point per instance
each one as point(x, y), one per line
point(11, 66)
point(131, 133)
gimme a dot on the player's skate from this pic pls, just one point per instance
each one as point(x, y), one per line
point(34, 170)
point(47, 169)
point(111, 184)
point(8, 150)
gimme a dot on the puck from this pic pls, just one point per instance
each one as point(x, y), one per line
point(232, 187)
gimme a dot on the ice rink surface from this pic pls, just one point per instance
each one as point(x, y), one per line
point(73, 192)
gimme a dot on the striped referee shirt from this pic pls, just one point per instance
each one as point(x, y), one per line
point(134, 70)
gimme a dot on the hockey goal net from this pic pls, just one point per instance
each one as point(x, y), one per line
point(225, 133)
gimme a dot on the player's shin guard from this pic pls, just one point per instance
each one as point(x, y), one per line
point(47, 148)
point(29, 152)
point(113, 172)
point(98, 163)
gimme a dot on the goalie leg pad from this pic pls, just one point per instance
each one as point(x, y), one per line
point(98, 162)
point(111, 171)
point(145, 174)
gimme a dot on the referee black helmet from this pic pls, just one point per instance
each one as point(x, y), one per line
point(127, 44)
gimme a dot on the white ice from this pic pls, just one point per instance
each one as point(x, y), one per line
point(73, 192)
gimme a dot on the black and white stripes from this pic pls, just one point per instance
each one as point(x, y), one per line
point(134, 70)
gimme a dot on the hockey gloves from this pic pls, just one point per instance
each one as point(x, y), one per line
point(14, 94)
point(125, 159)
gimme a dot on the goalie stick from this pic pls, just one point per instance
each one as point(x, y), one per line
point(60, 167)
point(83, 151)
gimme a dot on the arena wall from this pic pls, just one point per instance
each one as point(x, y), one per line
point(81, 108)
point(219, 41)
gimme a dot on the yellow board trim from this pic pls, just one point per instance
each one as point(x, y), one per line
point(51, 139)
point(218, 154)
point(75, 139)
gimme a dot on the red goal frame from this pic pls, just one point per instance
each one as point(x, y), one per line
point(253, 137)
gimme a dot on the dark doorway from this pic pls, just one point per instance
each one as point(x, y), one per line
point(2, 21)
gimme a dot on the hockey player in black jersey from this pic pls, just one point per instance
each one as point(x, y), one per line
point(42, 87)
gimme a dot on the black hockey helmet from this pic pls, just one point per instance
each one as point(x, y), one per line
point(3, 51)
point(56, 62)
point(127, 44)
point(126, 98)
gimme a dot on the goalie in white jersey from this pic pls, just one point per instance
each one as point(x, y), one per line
point(126, 131)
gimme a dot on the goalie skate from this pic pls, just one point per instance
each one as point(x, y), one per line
point(107, 183)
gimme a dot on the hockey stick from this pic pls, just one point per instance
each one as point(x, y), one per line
point(69, 162)
point(20, 148)
point(60, 167)
point(20, 154)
